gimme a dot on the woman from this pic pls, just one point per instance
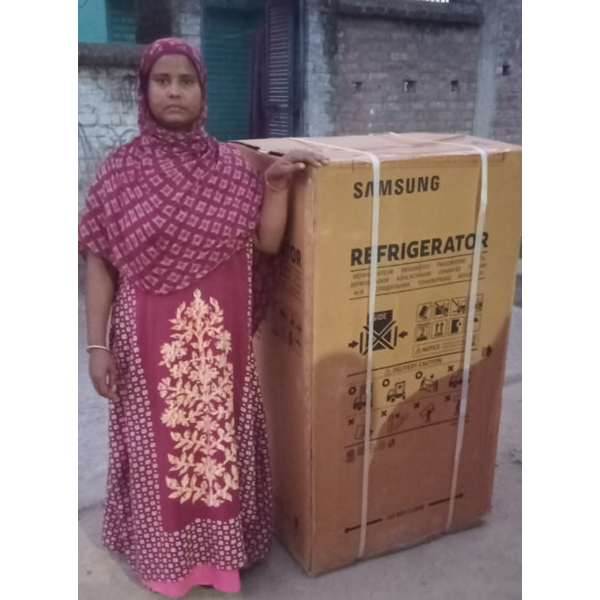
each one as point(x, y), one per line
point(171, 226)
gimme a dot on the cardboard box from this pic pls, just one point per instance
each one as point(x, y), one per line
point(312, 349)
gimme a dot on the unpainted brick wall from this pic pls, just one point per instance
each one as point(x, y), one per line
point(506, 121)
point(392, 75)
point(319, 92)
point(381, 65)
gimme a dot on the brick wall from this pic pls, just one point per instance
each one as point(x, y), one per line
point(404, 76)
point(378, 65)
point(371, 66)
point(506, 120)
point(319, 107)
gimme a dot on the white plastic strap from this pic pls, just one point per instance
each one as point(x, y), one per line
point(372, 292)
point(470, 314)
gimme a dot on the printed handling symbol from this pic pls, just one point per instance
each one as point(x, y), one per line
point(427, 412)
point(456, 379)
point(385, 332)
point(396, 423)
point(424, 312)
point(397, 392)
point(439, 329)
point(479, 303)
point(429, 385)
point(361, 399)
point(422, 332)
point(458, 306)
point(457, 402)
point(441, 309)
point(457, 325)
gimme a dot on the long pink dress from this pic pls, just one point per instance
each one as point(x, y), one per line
point(189, 486)
point(189, 489)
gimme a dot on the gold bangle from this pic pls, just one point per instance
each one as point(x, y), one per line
point(99, 347)
point(274, 188)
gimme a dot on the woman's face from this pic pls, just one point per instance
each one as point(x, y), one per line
point(174, 93)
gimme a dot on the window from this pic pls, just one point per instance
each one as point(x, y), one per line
point(121, 21)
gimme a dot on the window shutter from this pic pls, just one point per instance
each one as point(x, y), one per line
point(227, 50)
point(280, 66)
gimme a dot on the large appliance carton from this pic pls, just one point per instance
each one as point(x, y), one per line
point(313, 348)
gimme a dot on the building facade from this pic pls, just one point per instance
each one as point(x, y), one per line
point(310, 67)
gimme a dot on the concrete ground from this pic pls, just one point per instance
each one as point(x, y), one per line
point(483, 563)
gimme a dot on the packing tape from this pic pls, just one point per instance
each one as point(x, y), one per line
point(470, 314)
point(372, 293)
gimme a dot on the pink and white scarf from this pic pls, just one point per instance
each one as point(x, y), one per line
point(168, 207)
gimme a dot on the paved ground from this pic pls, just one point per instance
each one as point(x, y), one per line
point(480, 564)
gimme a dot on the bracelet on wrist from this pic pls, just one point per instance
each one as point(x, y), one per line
point(98, 347)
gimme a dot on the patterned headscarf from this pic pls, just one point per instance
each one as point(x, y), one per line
point(170, 206)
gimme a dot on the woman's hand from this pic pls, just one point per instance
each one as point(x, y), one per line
point(280, 172)
point(103, 372)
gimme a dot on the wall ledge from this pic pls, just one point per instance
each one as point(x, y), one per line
point(458, 13)
point(110, 55)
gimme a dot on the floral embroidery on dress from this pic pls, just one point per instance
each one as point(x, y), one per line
point(199, 405)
